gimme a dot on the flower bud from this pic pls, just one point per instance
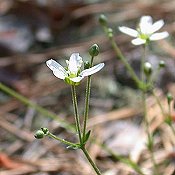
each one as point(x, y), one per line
point(103, 20)
point(169, 98)
point(110, 33)
point(147, 69)
point(45, 130)
point(86, 65)
point(162, 64)
point(39, 134)
point(94, 50)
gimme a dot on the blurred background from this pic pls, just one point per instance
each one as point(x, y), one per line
point(33, 31)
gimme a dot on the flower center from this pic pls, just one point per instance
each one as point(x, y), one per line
point(72, 75)
point(144, 36)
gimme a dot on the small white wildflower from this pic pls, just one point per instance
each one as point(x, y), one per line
point(72, 74)
point(146, 31)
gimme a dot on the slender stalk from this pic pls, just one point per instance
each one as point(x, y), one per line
point(123, 59)
point(87, 97)
point(38, 108)
point(163, 112)
point(77, 118)
point(91, 161)
point(61, 140)
point(86, 105)
point(79, 128)
point(142, 63)
point(159, 103)
point(169, 115)
point(127, 65)
point(149, 135)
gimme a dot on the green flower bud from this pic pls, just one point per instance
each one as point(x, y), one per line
point(147, 69)
point(94, 50)
point(162, 64)
point(39, 134)
point(45, 130)
point(86, 65)
point(103, 20)
point(169, 98)
point(110, 33)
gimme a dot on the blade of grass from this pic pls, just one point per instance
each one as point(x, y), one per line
point(35, 106)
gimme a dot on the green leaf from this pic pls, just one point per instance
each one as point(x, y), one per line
point(87, 136)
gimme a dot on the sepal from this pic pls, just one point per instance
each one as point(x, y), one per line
point(77, 146)
point(70, 82)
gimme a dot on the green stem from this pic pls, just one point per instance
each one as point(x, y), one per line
point(38, 108)
point(91, 161)
point(123, 59)
point(86, 105)
point(159, 103)
point(163, 112)
point(77, 118)
point(149, 135)
point(87, 97)
point(170, 116)
point(61, 140)
point(125, 62)
point(142, 63)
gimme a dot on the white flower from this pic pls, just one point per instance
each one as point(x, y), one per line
point(72, 74)
point(146, 31)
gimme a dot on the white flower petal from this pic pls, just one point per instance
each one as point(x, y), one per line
point(138, 41)
point(92, 70)
point(145, 24)
point(53, 65)
point(76, 79)
point(159, 36)
point(75, 63)
point(157, 25)
point(146, 20)
point(128, 31)
point(57, 69)
point(59, 74)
